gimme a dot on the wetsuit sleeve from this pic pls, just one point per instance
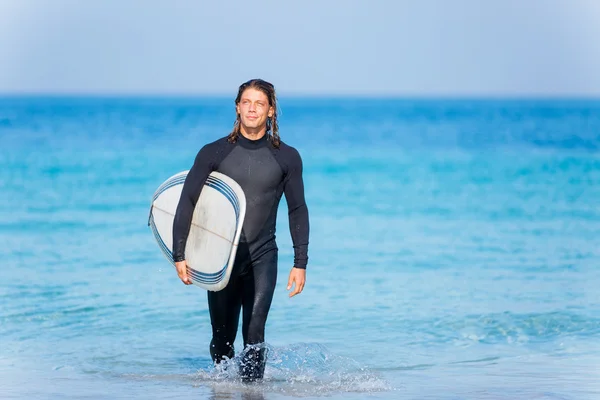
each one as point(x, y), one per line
point(297, 209)
point(197, 175)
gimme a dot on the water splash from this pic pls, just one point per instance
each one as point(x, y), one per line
point(302, 369)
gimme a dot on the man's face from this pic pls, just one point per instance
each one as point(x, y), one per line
point(254, 109)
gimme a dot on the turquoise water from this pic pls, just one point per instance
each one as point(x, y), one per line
point(454, 252)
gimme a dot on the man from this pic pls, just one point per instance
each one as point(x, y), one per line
point(266, 168)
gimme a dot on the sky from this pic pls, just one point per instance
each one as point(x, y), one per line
point(308, 47)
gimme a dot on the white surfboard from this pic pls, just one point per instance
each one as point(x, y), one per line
point(214, 232)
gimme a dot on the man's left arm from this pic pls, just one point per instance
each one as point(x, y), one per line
point(298, 219)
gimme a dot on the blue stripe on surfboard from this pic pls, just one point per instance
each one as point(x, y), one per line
point(207, 278)
point(225, 186)
point(160, 241)
point(179, 179)
point(157, 195)
point(227, 192)
point(209, 274)
point(214, 182)
point(167, 185)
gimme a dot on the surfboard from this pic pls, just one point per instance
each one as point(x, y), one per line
point(214, 231)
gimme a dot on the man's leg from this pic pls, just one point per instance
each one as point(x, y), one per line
point(258, 289)
point(224, 307)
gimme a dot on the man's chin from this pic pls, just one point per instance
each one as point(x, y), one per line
point(252, 125)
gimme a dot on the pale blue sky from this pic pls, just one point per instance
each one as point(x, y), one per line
point(376, 47)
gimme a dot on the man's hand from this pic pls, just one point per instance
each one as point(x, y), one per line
point(297, 276)
point(182, 272)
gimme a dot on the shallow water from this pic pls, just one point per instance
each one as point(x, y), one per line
point(453, 254)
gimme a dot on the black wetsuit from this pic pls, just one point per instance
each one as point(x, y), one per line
point(264, 173)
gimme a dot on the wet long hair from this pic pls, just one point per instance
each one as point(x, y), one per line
point(272, 126)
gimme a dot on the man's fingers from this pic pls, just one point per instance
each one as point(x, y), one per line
point(184, 279)
point(291, 282)
point(296, 279)
point(297, 289)
point(183, 275)
point(300, 287)
point(188, 278)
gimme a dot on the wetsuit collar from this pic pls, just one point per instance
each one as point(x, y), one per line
point(252, 144)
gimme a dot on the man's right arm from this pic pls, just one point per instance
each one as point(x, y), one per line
point(197, 175)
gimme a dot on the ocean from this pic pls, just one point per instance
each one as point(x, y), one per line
point(454, 251)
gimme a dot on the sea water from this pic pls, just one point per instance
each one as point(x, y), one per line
point(454, 251)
